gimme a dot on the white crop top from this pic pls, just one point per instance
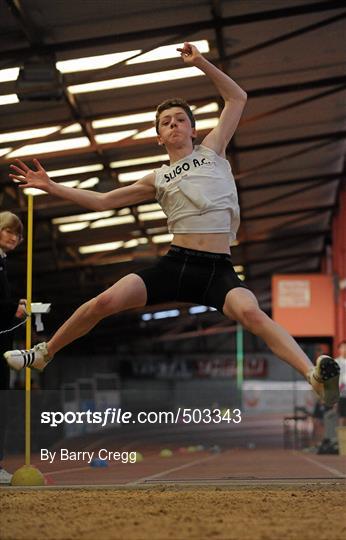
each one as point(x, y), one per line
point(198, 194)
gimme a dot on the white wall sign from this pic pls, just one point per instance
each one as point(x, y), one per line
point(294, 293)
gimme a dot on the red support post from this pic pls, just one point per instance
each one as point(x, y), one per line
point(339, 268)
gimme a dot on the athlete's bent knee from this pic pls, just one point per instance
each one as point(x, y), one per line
point(253, 318)
point(104, 305)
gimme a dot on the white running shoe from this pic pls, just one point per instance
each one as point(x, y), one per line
point(5, 477)
point(35, 358)
point(324, 378)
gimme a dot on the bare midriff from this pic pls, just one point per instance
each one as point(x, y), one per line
point(213, 242)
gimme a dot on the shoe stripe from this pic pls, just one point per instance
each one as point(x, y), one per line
point(28, 358)
point(24, 357)
point(31, 358)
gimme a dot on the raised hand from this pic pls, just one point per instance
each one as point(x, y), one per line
point(30, 177)
point(189, 53)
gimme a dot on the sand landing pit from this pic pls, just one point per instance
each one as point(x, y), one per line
point(160, 512)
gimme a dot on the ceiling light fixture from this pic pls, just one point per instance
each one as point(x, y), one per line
point(9, 74)
point(104, 138)
point(162, 238)
point(90, 216)
point(52, 146)
point(88, 63)
point(139, 161)
point(75, 170)
point(133, 175)
point(167, 51)
point(110, 222)
point(137, 118)
point(72, 227)
point(149, 216)
point(8, 99)
point(27, 134)
point(96, 248)
point(136, 80)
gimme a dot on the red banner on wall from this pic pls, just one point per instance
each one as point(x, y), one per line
point(304, 304)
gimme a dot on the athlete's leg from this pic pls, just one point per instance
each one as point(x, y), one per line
point(241, 305)
point(127, 293)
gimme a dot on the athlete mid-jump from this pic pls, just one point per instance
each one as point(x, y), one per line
point(198, 194)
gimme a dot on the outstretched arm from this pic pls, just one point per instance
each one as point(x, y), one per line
point(37, 177)
point(234, 98)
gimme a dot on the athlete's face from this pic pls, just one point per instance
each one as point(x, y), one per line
point(175, 127)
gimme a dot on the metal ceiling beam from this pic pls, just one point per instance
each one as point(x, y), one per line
point(292, 181)
point(247, 120)
point(287, 194)
point(285, 267)
point(286, 37)
point(299, 219)
point(293, 105)
point(313, 253)
point(187, 29)
point(335, 136)
point(217, 24)
point(252, 171)
point(296, 87)
point(327, 139)
point(35, 36)
point(338, 82)
point(325, 208)
point(47, 109)
point(127, 143)
point(298, 235)
point(32, 33)
point(342, 184)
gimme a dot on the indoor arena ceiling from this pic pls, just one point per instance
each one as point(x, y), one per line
point(287, 155)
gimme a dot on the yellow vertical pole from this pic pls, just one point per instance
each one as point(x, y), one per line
point(27, 475)
point(28, 333)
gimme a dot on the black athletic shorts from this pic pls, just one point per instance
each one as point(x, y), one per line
point(188, 275)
